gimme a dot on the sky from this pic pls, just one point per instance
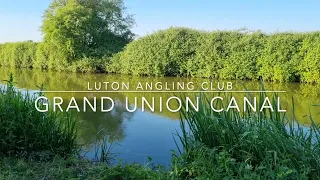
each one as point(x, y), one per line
point(20, 19)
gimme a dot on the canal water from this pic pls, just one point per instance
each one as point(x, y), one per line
point(137, 135)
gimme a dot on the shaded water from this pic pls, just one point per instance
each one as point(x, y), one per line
point(139, 135)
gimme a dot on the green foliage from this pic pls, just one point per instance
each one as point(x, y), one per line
point(65, 169)
point(227, 55)
point(213, 163)
point(280, 58)
point(187, 52)
point(310, 65)
point(25, 131)
point(77, 28)
point(74, 32)
point(89, 65)
point(78, 40)
point(252, 145)
point(164, 53)
point(240, 62)
point(20, 55)
point(42, 56)
point(240, 54)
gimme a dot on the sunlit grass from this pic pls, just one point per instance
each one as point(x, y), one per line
point(255, 144)
point(25, 131)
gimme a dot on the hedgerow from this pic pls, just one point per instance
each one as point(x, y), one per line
point(282, 57)
point(240, 54)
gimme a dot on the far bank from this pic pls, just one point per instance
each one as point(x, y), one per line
point(184, 52)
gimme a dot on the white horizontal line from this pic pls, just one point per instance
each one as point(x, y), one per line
point(160, 91)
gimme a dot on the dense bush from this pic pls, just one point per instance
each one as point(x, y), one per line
point(21, 55)
point(42, 56)
point(309, 68)
point(227, 55)
point(38, 55)
point(241, 62)
point(281, 57)
point(210, 55)
point(89, 65)
point(241, 54)
point(161, 54)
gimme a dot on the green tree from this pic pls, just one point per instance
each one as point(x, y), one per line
point(85, 28)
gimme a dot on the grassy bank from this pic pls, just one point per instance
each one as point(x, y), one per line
point(249, 145)
point(60, 168)
point(282, 57)
point(38, 145)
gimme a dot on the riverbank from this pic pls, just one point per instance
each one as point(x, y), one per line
point(72, 168)
point(37, 145)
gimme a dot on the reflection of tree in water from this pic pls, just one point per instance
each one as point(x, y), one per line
point(304, 95)
point(106, 124)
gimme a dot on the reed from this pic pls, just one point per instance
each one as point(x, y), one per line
point(25, 131)
point(103, 148)
point(248, 144)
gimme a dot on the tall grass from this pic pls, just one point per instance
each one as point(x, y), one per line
point(103, 148)
point(249, 144)
point(25, 131)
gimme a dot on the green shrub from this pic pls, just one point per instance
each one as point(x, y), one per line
point(280, 58)
point(210, 55)
point(89, 65)
point(220, 54)
point(228, 55)
point(1, 54)
point(42, 56)
point(6, 54)
point(310, 65)
point(160, 54)
point(20, 55)
point(241, 62)
point(58, 59)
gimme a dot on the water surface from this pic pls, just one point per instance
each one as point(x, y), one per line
point(138, 135)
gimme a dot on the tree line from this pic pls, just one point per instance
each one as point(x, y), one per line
point(95, 36)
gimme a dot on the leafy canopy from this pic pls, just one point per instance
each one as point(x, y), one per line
point(94, 28)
